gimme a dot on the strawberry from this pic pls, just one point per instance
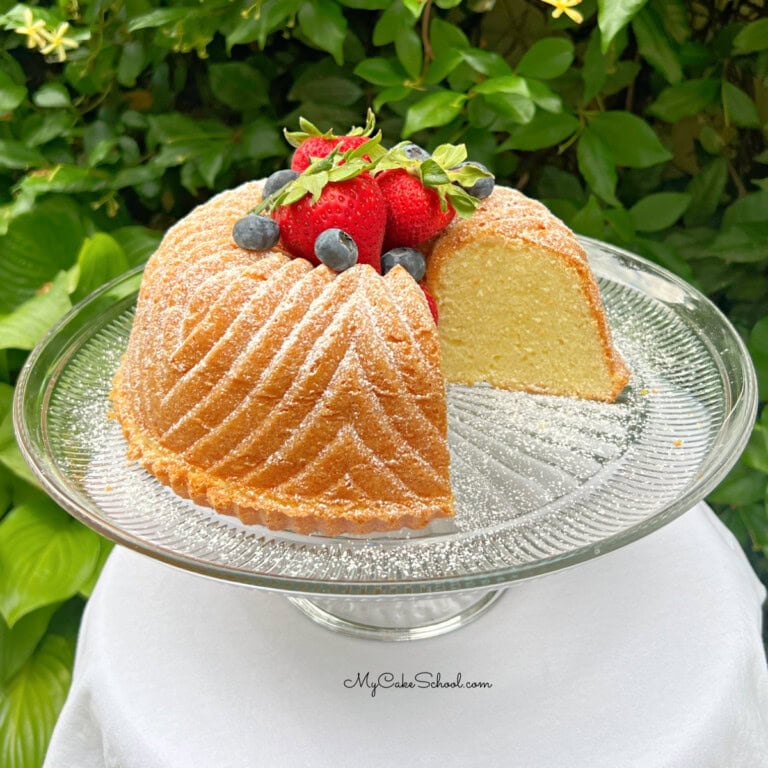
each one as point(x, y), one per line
point(413, 210)
point(334, 192)
point(424, 192)
point(431, 303)
point(355, 206)
point(311, 143)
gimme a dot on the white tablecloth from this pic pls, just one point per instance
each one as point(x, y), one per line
point(648, 656)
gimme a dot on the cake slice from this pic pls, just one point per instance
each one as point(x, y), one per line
point(519, 306)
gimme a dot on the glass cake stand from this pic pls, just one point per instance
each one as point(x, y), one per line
point(541, 483)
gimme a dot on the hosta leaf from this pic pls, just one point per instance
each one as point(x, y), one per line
point(10, 455)
point(26, 325)
point(547, 58)
point(18, 644)
point(45, 557)
point(31, 701)
point(435, 109)
point(631, 141)
point(100, 259)
point(597, 166)
point(658, 211)
point(614, 15)
point(137, 243)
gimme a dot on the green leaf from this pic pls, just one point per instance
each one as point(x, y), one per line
point(15, 154)
point(545, 130)
point(758, 350)
point(544, 97)
point(655, 46)
point(133, 59)
point(750, 209)
point(409, 51)
point(11, 94)
point(435, 109)
point(504, 84)
point(239, 86)
point(31, 701)
point(742, 486)
point(101, 258)
point(19, 643)
point(685, 100)
point(324, 25)
point(756, 453)
point(630, 140)
point(137, 243)
point(157, 18)
point(52, 96)
point(444, 36)
point(614, 15)
point(742, 244)
point(739, 108)
point(105, 549)
point(27, 324)
point(706, 190)
point(519, 109)
point(658, 211)
point(391, 22)
point(442, 65)
point(547, 58)
point(381, 71)
point(589, 220)
point(261, 138)
point(597, 166)
point(753, 37)
point(486, 62)
point(595, 69)
point(10, 455)
point(45, 557)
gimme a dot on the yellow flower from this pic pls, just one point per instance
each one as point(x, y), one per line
point(565, 7)
point(57, 42)
point(32, 30)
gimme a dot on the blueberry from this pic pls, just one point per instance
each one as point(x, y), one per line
point(409, 258)
point(336, 249)
point(278, 180)
point(415, 152)
point(256, 233)
point(483, 186)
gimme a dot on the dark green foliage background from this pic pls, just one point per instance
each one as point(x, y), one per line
point(645, 126)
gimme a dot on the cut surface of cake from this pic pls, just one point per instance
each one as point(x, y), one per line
point(287, 395)
point(519, 306)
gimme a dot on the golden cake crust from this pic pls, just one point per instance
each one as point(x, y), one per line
point(284, 394)
point(514, 219)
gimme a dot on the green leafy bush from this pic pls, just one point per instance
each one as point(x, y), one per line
point(644, 125)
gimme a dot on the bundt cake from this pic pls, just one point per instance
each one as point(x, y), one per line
point(519, 306)
point(282, 369)
point(281, 393)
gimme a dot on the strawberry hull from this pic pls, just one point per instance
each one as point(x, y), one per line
point(356, 206)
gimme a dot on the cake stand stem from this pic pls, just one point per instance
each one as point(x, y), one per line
point(396, 619)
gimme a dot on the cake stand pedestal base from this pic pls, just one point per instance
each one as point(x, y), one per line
point(405, 618)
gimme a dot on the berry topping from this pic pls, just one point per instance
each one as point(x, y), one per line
point(334, 192)
point(424, 194)
point(311, 144)
point(336, 249)
point(415, 152)
point(483, 186)
point(431, 303)
point(256, 233)
point(278, 180)
point(409, 258)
